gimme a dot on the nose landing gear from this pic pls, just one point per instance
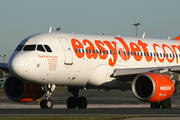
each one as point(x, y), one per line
point(47, 103)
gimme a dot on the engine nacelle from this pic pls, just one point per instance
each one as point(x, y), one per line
point(21, 91)
point(152, 87)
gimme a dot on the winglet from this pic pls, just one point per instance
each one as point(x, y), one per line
point(178, 38)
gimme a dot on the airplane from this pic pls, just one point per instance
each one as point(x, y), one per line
point(148, 67)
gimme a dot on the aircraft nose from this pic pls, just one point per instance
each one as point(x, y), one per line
point(18, 66)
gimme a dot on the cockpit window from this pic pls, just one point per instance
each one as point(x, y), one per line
point(48, 49)
point(29, 48)
point(40, 48)
point(19, 48)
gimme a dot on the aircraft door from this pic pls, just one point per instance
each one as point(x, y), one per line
point(67, 51)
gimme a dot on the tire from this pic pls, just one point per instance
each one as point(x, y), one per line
point(42, 105)
point(46, 104)
point(155, 105)
point(71, 103)
point(166, 104)
point(82, 103)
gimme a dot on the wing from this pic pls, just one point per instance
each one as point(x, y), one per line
point(130, 73)
point(4, 67)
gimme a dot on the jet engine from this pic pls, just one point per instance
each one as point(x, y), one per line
point(151, 87)
point(21, 91)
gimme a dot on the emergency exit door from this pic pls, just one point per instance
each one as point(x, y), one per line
point(67, 51)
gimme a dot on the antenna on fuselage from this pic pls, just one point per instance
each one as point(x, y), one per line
point(50, 29)
point(143, 35)
point(169, 37)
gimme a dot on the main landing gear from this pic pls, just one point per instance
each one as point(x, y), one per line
point(74, 101)
point(164, 104)
point(47, 103)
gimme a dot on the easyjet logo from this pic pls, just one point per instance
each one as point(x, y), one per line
point(137, 50)
point(165, 88)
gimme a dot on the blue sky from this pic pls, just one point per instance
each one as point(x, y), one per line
point(21, 18)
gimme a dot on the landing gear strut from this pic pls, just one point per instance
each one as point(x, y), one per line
point(164, 104)
point(75, 101)
point(47, 103)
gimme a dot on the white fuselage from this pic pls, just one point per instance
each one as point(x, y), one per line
point(81, 59)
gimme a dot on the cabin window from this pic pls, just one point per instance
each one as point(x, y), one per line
point(40, 48)
point(29, 48)
point(48, 49)
point(19, 48)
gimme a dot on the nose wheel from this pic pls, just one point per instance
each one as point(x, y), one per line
point(47, 103)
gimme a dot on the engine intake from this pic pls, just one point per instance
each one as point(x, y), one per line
point(152, 87)
point(21, 91)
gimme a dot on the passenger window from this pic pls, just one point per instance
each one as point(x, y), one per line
point(104, 52)
point(100, 51)
point(128, 52)
point(93, 51)
point(90, 51)
point(76, 50)
point(131, 53)
point(29, 48)
point(157, 55)
point(110, 52)
point(40, 48)
point(79, 50)
point(154, 54)
point(48, 49)
point(151, 54)
point(107, 51)
point(141, 54)
point(97, 51)
point(19, 48)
